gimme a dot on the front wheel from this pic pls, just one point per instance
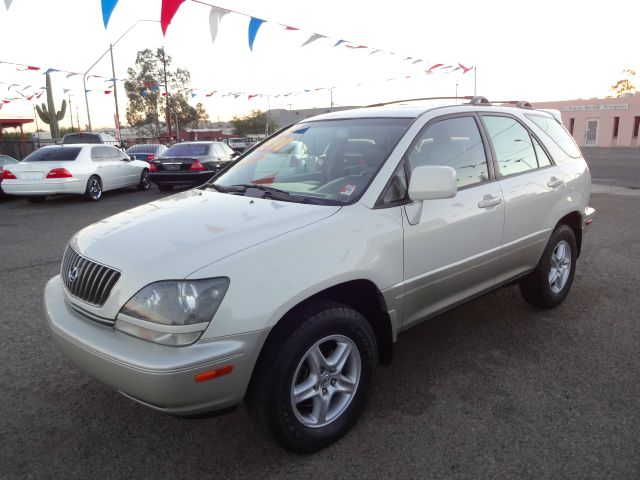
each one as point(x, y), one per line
point(549, 284)
point(145, 183)
point(312, 384)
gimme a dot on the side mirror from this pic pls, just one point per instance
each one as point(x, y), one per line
point(431, 182)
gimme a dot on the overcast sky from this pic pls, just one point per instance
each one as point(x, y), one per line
point(543, 50)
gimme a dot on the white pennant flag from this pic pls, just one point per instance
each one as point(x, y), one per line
point(8, 3)
point(215, 17)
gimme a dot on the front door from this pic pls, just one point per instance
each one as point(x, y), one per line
point(451, 246)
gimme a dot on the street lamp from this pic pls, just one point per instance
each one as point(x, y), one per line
point(115, 92)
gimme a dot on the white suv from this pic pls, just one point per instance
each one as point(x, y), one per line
point(285, 286)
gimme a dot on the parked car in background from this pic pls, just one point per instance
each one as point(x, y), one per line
point(146, 151)
point(8, 161)
point(90, 137)
point(289, 294)
point(190, 164)
point(81, 169)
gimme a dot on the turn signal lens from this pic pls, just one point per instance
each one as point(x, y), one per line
point(59, 173)
point(196, 166)
point(7, 175)
point(152, 167)
point(218, 372)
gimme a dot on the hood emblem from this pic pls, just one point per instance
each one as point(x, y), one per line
point(73, 274)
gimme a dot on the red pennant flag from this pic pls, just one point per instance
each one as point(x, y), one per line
point(165, 94)
point(251, 96)
point(29, 67)
point(464, 69)
point(29, 98)
point(107, 92)
point(287, 27)
point(356, 46)
point(437, 65)
point(211, 93)
point(40, 94)
point(169, 9)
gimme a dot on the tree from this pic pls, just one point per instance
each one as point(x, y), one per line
point(625, 85)
point(254, 123)
point(147, 106)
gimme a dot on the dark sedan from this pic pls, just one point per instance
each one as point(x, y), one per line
point(189, 164)
point(146, 151)
point(5, 160)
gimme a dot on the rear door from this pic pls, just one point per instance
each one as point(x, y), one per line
point(107, 167)
point(129, 171)
point(452, 245)
point(532, 188)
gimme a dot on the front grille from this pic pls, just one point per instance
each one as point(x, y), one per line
point(87, 280)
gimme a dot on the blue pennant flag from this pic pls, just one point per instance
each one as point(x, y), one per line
point(107, 10)
point(254, 26)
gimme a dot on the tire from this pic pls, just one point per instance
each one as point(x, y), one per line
point(329, 356)
point(549, 284)
point(93, 193)
point(145, 183)
point(165, 188)
point(36, 199)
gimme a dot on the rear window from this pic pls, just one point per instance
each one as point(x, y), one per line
point(143, 149)
point(81, 138)
point(56, 154)
point(556, 132)
point(187, 150)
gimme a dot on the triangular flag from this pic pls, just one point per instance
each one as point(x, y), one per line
point(107, 92)
point(465, 69)
point(356, 46)
point(40, 94)
point(215, 17)
point(254, 26)
point(287, 27)
point(51, 70)
point(71, 74)
point(437, 65)
point(168, 10)
point(251, 96)
point(65, 91)
point(29, 67)
point(339, 42)
point(313, 38)
point(107, 10)
point(8, 3)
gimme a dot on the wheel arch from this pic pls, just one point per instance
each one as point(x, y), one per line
point(573, 220)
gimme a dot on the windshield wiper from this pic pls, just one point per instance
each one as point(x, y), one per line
point(270, 192)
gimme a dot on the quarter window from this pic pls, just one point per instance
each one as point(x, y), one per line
point(454, 142)
point(554, 130)
point(512, 145)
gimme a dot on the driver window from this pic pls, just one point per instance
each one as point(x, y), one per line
point(454, 142)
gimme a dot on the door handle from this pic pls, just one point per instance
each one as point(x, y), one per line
point(489, 201)
point(554, 182)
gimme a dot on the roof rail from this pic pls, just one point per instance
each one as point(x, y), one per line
point(418, 100)
point(478, 100)
point(517, 104)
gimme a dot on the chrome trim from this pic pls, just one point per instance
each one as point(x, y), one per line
point(90, 316)
point(85, 279)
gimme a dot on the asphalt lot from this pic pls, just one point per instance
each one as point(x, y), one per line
point(492, 389)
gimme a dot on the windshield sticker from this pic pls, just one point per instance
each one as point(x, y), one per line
point(348, 190)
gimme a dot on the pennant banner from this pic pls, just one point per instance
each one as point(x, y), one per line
point(107, 10)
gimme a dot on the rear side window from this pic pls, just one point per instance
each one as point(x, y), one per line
point(187, 150)
point(512, 144)
point(72, 138)
point(556, 132)
point(55, 154)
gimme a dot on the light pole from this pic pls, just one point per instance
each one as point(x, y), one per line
point(84, 77)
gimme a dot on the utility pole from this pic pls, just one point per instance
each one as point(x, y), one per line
point(77, 117)
point(166, 94)
point(37, 127)
point(331, 92)
point(115, 94)
point(71, 112)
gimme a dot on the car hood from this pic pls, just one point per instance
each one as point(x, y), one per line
point(177, 235)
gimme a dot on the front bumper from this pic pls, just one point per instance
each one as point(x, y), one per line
point(181, 178)
point(158, 376)
point(44, 187)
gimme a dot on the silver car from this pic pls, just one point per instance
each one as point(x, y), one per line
point(287, 289)
point(81, 169)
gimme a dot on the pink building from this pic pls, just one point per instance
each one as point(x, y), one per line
point(601, 122)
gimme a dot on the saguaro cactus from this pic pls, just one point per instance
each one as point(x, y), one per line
point(49, 115)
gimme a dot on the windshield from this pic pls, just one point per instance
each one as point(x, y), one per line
point(331, 161)
point(187, 150)
point(54, 154)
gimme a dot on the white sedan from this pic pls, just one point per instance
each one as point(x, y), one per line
point(83, 169)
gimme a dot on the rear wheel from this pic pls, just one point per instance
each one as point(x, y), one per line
point(36, 199)
point(93, 192)
point(313, 382)
point(165, 188)
point(145, 183)
point(549, 284)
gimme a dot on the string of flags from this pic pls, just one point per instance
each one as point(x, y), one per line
point(169, 9)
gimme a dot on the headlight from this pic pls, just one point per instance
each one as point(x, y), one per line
point(172, 312)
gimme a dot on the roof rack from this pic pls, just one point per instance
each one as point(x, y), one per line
point(475, 100)
point(417, 100)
